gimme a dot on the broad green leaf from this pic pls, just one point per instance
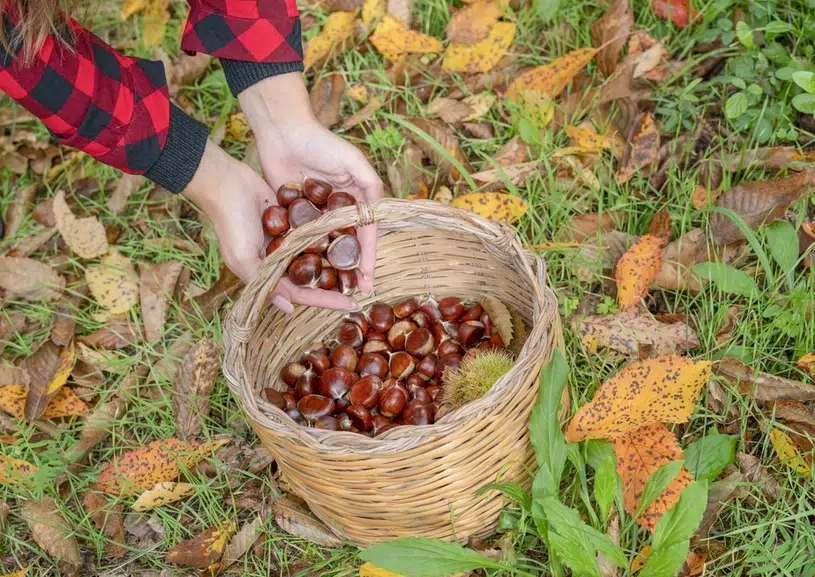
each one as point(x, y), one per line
point(727, 278)
point(546, 9)
point(574, 556)
point(420, 557)
point(567, 523)
point(708, 456)
point(658, 482)
point(597, 450)
point(544, 427)
point(666, 562)
point(605, 485)
point(783, 244)
point(745, 34)
point(777, 27)
point(805, 79)
point(512, 490)
point(736, 105)
point(508, 520)
point(804, 103)
point(683, 519)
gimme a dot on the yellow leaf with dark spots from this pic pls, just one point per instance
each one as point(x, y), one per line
point(114, 282)
point(15, 471)
point(393, 39)
point(335, 31)
point(372, 10)
point(644, 149)
point(84, 236)
point(154, 24)
point(493, 205)
point(807, 363)
point(162, 494)
point(551, 78)
point(64, 404)
point(473, 23)
point(587, 139)
point(787, 453)
point(481, 56)
point(636, 269)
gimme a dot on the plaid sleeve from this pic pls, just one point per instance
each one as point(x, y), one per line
point(113, 107)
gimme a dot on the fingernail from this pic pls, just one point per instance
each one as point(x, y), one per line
point(354, 308)
point(283, 304)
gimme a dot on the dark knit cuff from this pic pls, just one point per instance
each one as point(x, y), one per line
point(177, 163)
point(240, 75)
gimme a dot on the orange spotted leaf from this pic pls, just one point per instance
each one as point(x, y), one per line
point(551, 78)
point(807, 363)
point(15, 471)
point(788, 453)
point(644, 149)
point(481, 56)
point(657, 390)
point(64, 404)
point(493, 205)
point(639, 455)
point(636, 269)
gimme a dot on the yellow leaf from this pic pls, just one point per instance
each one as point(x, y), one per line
point(84, 236)
point(130, 7)
point(787, 453)
point(644, 149)
point(372, 10)
point(114, 282)
point(657, 390)
point(237, 127)
point(639, 561)
point(482, 56)
point(480, 105)
point(64, 404)
point(551, 78)
point(639, 455)
point(807, 363)
point(154, 24)
point(393, 39)
point(587, 139)
point(493, 205)
point(15, 471)
point(339, 26)
point(205, 549)
point(371, 570)
point(636, 269)
point(473, 23)
point(358, 92)
point(162, 494)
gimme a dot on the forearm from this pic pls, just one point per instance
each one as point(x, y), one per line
point(277, 102)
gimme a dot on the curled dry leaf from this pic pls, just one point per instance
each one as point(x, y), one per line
point(787, 452)
point(482, 56)
point(500, 317)
point(156, 285)
point(15, 471)
point(64, 404)
point(644, 149)
point(658, 390)
point(116, 334)
point(394, 40)
point(226, 287)
point(336, 30)
point(28, 279)
point(128, 184)
point(84, 236)
point(473, 23)
point(203, 550)
point(629, 330)
point(23, 197)
point(552, 78)
point(11, 375)
point(639, 454)
point(113, 283)
point(243, 540)
point(293, 521)
point(48, 370)
point(732, 487)
point(193, 386)
point(442, 134)
point(364, 113)
point(162, 494)
point(107, 517)
point(326, 98)
point(636, 269)
point(763, 386)
point(771, 158)
point(493, 205)
point(609, 32)
point(51, 531)
point(756, 473)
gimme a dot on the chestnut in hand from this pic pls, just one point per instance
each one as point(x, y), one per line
point(340, 199)
point(306, 270)
point(344, 253)
point(275, 220)
point(288, 193)
point(317, 191)
point(302, 211)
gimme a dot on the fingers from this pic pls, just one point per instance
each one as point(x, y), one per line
point(367, 261)
point(312, 298)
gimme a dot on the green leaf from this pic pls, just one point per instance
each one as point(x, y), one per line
point(420, 557)
point(544, 427)
point(727, 278)
point(573, 556)
point(805, 79)
point(567, 522)
point(658, 482)
point(666, 562)
point(508, 520)
point(783, 244)
point(597, 451)
point(546, 9)
point(777, 27)
point(708, 456)
point(512, 490)
point(745, 34)
point(680, 522)
point(736, 105)
point(804, 103)
point(605, 485)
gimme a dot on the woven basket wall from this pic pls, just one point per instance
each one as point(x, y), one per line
point(410, 481)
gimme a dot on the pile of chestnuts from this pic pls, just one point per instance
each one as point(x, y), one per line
point(330, 262)
point(385, 368)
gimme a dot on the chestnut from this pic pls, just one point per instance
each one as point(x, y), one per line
point(376, 347)
point(380, 421)
point(419, 343)
point(431, 308)
point(301, 211)
point(406, 308)
point(496, 342)
point(344, 421)
point(317, 191)
point(451, 329)
point(319, 360)
point(426, 368)
point(288, 193)
point(421, 320)
point(328, 423)
point(347, 281)
point(312, 407)
point(372, 364)
point(275, 220)
point(472, 313)
point(341, 404)
point(305, 270)
point(334, 383)
point(450, 347)
point(401, 364)
point(328, 278)
point(366, 391)
point(291, 372)
point(340, 199)
point(419, 394)
point(392, 401)
point(451, 361)
point(439, 333)
point(385, 429)
point(450, 308)
point(381, 317)
point(344, 357)
point(397, 335)
point(470, 333)
point(360, 417)
point(274, 244)
point(414, 380)
point(306, 384)
point(295, 415)
point(318, 246)
point(350, 335)
point(485, 320)
point(417, 413)
point(433, 391)
point(275, 398)
point(344, 253)
point(358, 319)
point(373, 336)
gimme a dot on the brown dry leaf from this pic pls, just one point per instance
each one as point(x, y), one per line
point(159, 461)
point(336, 30)
point(480, 104)
point(187, 70)
point(364, 113)
point(293, 521)
point(227, 286)
point(164, 370)
point(15, 471)
point(636, 269)
point(771, 158)
point(326, 97)
point(113, 282)
point(449, 110)
point(702, 197)
point(788, 453)
point(756, 473)
point(23, 197)
point(644, 149)
point(628, 331)
point(658, 390)
point(98, 426)
point(28, 279)
point(797, 417)
point(517, 173)
point(515, 151)
point(107, 517)
point(84, 236)
point(493, 205)
point(757, 202)
point(394, 40)
point(639, 454)
point(587, 226)
point(606, 567)
point(762, 386)
point(193, 386)
point(48, 369)
point(154, 23)
point(442, 134)
point(51, 531)
point(11, 375)
point(610, 31)
point(500, 317)
point(242, 542)
point(732, 487)
point(156, 286)
point(552, 78)
point(661, 225)
point(128, 184)
point(482, 130)
point(162, 494)
point(203, 550)
point(807, 363)
point(473, 23)
point(405, 173)
point(400, 9)
point(116, 334)
point(601, 254)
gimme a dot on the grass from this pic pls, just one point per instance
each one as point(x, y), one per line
point(753, 537)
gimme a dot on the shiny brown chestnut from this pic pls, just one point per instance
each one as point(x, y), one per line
point(417, 413)
point(344, 253)
point(421, 320)
point(450, 308)
point(319, 360)
point(347, 281)
point(385, 429)
point(275, 220)
point(372, 364)
point(472, 313)
point(470, 333)
point(318, 246)
point(433, 391)
point(439, 333)
point(397, 335)
point(376, 347)
point(288, 193)
point(451, 329)
point(360, 417)
point(312, 407)
point(344, 357)
point(374, 335)
point(291, 400)
point(275, 398)
point(406, 308)
point(334, 383)
point(341, 404)
point(328, 278)
point(419, 394)
point(392, 401)
point(305, 270)
point(496, 342)
point(295, 416)
point(487, 322)
point(381, 317)
point(291, 372)
point(451, 361)
point(328, 423)
point(426, 368)
point(358, 319)
point(419, 343)
point(379, 422)
point(401, 364)
point(431, 308)
point(365, 392)
point(340, 199)
point(350, 335)
point(414, 380)
point(306, 384)
point(274, 244)
point(302, 211)
point(317, 191)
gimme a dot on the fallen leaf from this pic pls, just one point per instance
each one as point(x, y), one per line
point(480, 104)
point(193, 386)
point(116, 334)
point(762, 386)
point(629, 330)
point(482, 130)
point(587, 139)
point(156, 286)
point(636, 269)
point(372, 11)
point(242, 542)
point(500, 317)
point(128, 184)
point(756, 473)
point(187, 69)
point(677, 11)
point(702, 197)
point(807, 363)
point(23, 197)
point(50, 530)
point(358, 92)
point(166, 368)
point(11, 375)
point(517, 174)
point(474, 22)
point(98, 425)
point(107, 517)
point(757, 202)
point(606, 567)
point(154, 22)
point(336, 30)
point(84, 236)
point(203, 550)
point(227, 286)
point(610, 32)
point(20, 573)
point(449, 110)
point(787, 453)
point(444, 136)
point(551, 78)
point(770, 158)
point(326, 97)
point(642, 556)
point(493, 205)
point(657, 390)
point(639, 454)
point(131, 7)
point(601, 254)
point(64, 404)
point(482, 56)
point(162, 494)
point(113, 283)
point(644, 149)
point(363, 114)
point(48, 370)
point(159, 461)
point(30, 280)
point(515, 151)
point(302, 525)
point(393, 40)
point(400, 9)
point(732, 487)
point(15, 471)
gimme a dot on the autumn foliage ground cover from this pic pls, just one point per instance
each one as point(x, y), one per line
point(657, 154)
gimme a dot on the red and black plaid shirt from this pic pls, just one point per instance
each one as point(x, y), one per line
point(117, 108)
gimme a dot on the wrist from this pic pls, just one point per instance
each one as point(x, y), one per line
point(210, 180)
point(277, 102)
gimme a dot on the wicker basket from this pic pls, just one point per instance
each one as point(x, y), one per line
point(411, 481)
